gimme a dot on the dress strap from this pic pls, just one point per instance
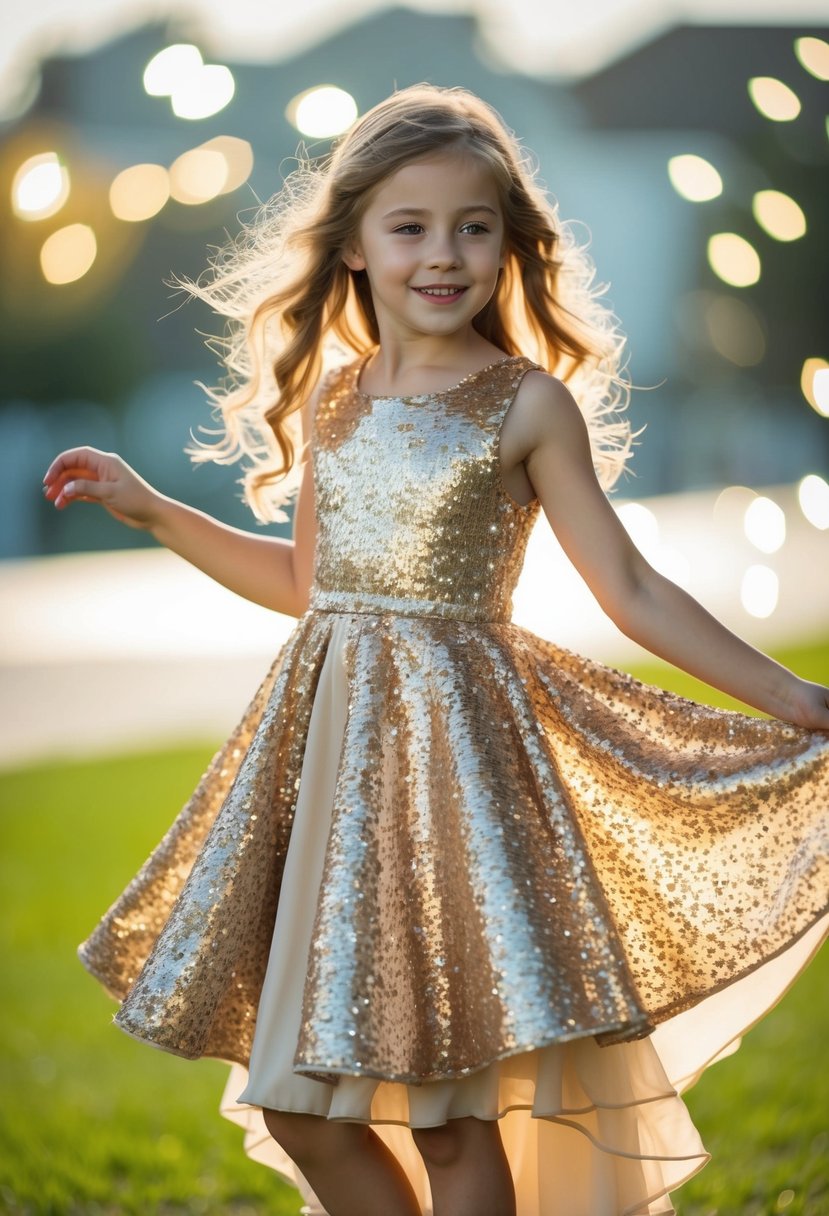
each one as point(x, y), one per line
point(502, 385)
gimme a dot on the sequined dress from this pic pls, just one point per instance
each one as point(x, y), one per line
point(443, 867)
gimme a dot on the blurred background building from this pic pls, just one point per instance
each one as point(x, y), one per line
point(692, 157)
point(695, 164)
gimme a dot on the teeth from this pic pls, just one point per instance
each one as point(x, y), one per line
point(439, 291)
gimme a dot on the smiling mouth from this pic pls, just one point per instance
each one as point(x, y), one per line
point(440, 293)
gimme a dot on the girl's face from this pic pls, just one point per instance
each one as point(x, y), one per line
point(431, 242)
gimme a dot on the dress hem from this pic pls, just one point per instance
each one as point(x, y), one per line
point(339, 1070)
point(663, 1014)
point(244, 1059)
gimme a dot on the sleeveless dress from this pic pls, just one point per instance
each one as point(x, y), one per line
point(443, 867)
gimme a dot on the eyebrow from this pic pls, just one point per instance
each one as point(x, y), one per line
point(423, 211)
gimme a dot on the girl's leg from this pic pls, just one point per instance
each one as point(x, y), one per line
point(467, 1167)
point(350, 1169)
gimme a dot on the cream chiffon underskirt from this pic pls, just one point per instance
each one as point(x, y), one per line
point(588, 1130)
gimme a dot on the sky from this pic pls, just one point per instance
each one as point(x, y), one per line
point(546, 37)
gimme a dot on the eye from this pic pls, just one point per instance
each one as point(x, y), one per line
point(477, 225)
point(408, 228)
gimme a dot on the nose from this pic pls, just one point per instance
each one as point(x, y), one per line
point(443, 253)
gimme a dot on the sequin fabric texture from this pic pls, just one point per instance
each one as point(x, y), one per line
point(526, 847)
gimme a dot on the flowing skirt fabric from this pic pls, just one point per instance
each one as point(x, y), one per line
point(588, 1130)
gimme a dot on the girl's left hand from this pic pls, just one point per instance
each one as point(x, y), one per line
point(806, 704)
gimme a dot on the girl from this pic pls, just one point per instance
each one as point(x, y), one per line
point(465, 911)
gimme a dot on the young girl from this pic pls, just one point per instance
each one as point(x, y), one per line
point(464, 911)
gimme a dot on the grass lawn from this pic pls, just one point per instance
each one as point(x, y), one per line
point(94, 1122)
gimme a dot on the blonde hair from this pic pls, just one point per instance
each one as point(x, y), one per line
point(290, 300)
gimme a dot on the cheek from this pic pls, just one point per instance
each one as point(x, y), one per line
point(489, 259)
point(394, 260)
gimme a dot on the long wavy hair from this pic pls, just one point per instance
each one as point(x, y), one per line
point(293, 307)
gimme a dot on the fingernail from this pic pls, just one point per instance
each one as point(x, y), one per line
point(69, 488)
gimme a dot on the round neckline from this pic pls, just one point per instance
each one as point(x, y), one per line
point(421, 396)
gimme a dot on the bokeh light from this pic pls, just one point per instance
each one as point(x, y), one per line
point(169, 67)
point(779, 215)
point(813, 54)
point(734, 331)
point(694, 178)
point(196, 89)
point(773, 98)
point(731, 504)
point(813, 496)
point(238, 157)
point(814, 384)
point(139, 192)
point(764, 524)
point(733, 259)
point(198, 176)
point(204, 93)
point(759, 591)
point(68, 254)
point(322, 112)
point(40, 187)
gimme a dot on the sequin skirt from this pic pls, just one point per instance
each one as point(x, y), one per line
point(445, 868)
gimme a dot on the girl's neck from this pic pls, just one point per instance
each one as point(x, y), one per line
point(399, 371)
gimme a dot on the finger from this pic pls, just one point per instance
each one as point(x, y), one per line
point(54, 486)
point(82, 490)
point(85, 457)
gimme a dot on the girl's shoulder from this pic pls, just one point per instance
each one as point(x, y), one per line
point(546, 400)
point(545, 413)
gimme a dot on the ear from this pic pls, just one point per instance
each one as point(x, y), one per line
point(353, 258)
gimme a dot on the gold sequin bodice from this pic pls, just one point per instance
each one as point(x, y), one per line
point(412, 514)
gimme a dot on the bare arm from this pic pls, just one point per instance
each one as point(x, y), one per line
point(270, 571)
point(645, 605)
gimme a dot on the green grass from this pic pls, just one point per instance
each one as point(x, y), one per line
point(94, 1122)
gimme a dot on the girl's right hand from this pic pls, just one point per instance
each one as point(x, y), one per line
point(89, 475)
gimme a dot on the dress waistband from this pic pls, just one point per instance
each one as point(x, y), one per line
point(370, 602)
